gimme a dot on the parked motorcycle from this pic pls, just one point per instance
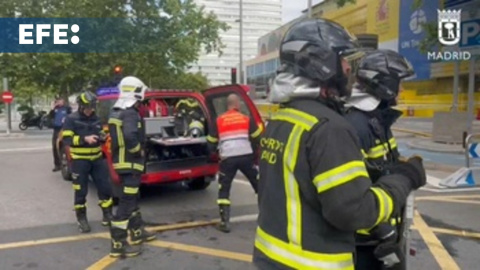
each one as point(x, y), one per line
point(32, 121)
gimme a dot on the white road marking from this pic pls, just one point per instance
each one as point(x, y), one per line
point(25, 149)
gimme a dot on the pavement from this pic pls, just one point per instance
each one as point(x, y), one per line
point(38, 228)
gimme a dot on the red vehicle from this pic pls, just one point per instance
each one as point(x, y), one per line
point(171, 158)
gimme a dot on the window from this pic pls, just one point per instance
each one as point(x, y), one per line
point(220, 105)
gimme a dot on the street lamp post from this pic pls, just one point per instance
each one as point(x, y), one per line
point(309, 8)
point(241, 42)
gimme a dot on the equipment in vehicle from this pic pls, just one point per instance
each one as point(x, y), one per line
point(170, 155)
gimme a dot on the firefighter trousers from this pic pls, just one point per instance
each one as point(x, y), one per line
point(81, 171)
point(128, 201)
point(227, 172)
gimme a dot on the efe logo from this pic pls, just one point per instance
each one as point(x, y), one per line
point(60, 31)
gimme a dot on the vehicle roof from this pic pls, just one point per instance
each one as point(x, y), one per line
point(162, 93)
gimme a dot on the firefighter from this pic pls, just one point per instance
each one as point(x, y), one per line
point(314, 191)
point(82, 132)
point(236, 137)
point(127, 135)
point(379, 75)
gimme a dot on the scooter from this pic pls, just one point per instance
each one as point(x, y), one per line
point(35, 121)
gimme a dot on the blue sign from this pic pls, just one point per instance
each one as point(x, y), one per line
point(108, 91)
point(473, 150)
point(411, 33)
point(470, 33)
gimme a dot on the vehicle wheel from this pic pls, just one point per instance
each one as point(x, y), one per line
point(66, 173)
point(198, 184)
point(40, 125)
point(22, 126)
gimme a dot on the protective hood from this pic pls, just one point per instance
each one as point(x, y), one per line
point(287, 86)
point(362, 100)
point(124, 103)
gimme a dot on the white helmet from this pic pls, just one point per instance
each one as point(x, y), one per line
point(132, 90)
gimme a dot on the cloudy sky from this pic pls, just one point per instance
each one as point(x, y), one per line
point(293, 8)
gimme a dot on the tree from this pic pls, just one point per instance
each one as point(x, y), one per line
point(179, 28)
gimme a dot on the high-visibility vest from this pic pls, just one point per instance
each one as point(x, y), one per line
point(233, 137)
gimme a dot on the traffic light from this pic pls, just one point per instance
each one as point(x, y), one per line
point(117, 70)
point(234, 75)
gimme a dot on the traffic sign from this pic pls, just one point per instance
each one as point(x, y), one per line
point(474, 150)
point(7, 97)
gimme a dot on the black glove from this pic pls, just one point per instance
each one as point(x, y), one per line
point(413, 170)
point(390, 254)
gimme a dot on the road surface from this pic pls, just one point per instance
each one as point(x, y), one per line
point(38, 229)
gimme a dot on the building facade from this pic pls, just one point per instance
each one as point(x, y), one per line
point(399, 27)
point(259, 18)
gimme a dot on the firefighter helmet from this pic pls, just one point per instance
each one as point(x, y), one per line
point(132, 90)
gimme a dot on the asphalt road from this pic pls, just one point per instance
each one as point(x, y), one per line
point(38, 229)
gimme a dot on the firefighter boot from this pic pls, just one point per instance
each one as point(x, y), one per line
point(136, 226)
point(119, 244)
point(107, 216)
point(82, 221)
point(224, 225)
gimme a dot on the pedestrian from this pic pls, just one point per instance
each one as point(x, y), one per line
point(127, 143)
point(379, 77)
point(314, 191)
point(58, 114)
point(236, 137)
point(82, 133)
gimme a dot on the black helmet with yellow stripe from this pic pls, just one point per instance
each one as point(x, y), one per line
point(87, 100)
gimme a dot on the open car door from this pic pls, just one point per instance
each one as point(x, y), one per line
point(216, 101)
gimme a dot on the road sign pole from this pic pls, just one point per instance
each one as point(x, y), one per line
point(471, 98)
point(455, 86)
point(9, 119)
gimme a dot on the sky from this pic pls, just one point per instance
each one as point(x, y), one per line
point(293, 8)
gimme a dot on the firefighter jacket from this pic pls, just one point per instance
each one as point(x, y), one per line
point(235, 134)
point(75, 128)
point(314, 190)
point(190, 108)
point(379, 147)
point(127, 135)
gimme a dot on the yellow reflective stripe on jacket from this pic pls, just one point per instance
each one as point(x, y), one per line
point(130, 190)
point(76, 140)
point(105, 203)
point(294, 208)
point(121, 142)
point(87, 157)
point(212, 139)
point(302, 121)
point(256, 133)
point(381, 149)
point(135, 149)
point(385, 205)
point(296, 258)
point(296, 117)
point(67, 133)
point(84, 150)
point(340, 175)
point(123, 224)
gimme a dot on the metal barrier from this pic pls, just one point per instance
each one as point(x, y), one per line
point(468, 176)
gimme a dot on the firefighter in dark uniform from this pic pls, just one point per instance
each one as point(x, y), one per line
point(379, 76)
point(82, 133)
point(236, 137)
point(127, 142)
point(314, 190)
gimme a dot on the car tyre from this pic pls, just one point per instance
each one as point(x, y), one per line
point(22, 126)
point(200, 183)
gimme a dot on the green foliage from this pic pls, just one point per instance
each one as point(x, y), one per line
point(184, 33)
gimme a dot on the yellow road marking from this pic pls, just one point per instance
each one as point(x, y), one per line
point(107, 260)
point(457, 232)
point(202, 250)
point(51, 241)
point(102, 263)
point(444, 260)
point(414, 132)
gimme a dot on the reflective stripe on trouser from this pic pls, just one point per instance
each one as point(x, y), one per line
point(228, 169)
point(128, 200)
point(293, 256)
point(81, 170)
